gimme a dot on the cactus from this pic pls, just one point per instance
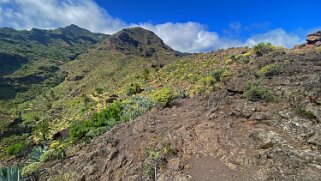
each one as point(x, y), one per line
point(12, 173)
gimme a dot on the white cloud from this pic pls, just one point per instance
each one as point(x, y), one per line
point(53, 13)
point(277, 37)
point(185, 37)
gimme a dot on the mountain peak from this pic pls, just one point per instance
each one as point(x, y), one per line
point(137, 40)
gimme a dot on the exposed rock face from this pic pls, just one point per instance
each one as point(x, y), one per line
point(313, 40)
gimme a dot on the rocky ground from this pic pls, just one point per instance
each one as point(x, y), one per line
point(223, 136)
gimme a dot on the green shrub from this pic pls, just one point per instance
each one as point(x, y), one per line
point(30, 169)
point(222, 73)
point(135, 106)
point(99, 91)
point(108, 117)
point(217, 74)
point(263, 48)
point(133, 89)
point(53, 154)
point(164, 96)
point(146, 73)
point(257, 93)
point(269, 71)
point(42, 129)
point(243, 58)
point(307, 114)
point(36, 153)
point(16, 149)
point(78, 131)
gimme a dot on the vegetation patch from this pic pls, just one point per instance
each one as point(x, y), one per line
point(306, 114)
point(269, 71)
point(157, 157)
point(263, 48)
point(257, 93)
point(11, 173)
point(16, 149)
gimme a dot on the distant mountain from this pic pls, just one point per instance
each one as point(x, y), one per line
point(138, 41)
point(58, 44)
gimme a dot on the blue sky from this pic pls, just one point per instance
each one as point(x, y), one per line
point(189, 26)
point(263, 15)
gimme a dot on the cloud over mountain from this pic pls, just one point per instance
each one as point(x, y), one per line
point(186, 37)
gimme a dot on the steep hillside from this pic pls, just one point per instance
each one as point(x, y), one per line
point(90, 79)
point(30, 62)
point(254, 114)
point(131, 108)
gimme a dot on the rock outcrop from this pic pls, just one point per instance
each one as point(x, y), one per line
point(313, 40)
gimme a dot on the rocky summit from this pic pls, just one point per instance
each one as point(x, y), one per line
point(129, 107)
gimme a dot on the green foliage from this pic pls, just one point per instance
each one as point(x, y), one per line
point(217, 74)
point(78, 130)
point(16, 149)
point(149, 171)
point(269, 71)
point(157, 155)
point(164, 151)
point(257, 93)
point(263, 48)
point(135, 106)
point(306, 114)
point(133, 89)
point(53, 154)
point(99, 91)
point(204, 85)
point(37, 152)
point(243, 58)
point(11, 173)
point(164, 96)
point(42, 129)
point(108, 117)
point(222, 73)
point(146, 73)
point(30, 168)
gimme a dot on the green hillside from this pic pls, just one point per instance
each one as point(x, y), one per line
point(30, 62)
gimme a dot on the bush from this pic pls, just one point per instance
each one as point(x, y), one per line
point(35, 155)
point(307, 114)
point(16, 149)
point(136, 106)
point(263, 48)
point(53, 154)
point(133, 89)
point(243, 58)
point(42, 129)
point(164, 96)
point(30, 169)
point(217, 74)
point(222, 73)
point(257, 93)
point(78, 131)
point(108, 117)
point(228, 61)
point(269, 71)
